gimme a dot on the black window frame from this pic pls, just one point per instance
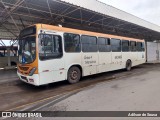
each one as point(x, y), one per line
point(108, 41)
point(79, 43)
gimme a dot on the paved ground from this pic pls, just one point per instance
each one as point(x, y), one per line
point(7, 76)
point(137, 90)
point(140, 92)
point(134, 93)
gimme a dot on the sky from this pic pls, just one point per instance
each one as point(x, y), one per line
point(146, 9)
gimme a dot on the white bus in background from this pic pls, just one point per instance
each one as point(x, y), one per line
point(49, 54)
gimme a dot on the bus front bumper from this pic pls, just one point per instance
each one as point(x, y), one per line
point(34, 79)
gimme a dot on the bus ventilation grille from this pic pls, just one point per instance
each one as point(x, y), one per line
point(24, 68)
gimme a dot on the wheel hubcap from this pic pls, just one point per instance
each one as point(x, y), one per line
point(129, 65)
point(74, 75)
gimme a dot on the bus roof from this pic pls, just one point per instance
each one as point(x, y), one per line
point(76, 31)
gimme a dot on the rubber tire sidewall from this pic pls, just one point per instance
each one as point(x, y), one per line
point(68, 75)
point(127, 66)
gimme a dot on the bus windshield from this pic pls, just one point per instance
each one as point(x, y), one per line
point(27, 49)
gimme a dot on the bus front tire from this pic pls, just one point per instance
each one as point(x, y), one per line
point(128, 65)
point(74, 75)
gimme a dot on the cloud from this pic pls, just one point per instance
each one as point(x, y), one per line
point(146, 9)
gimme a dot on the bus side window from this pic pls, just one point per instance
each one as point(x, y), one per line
point(125, 46)
point(50, 46)
point(72, 42)
point(89, 43)
point(143, 46)
point(133, 47)
point(101, 44)
point(139, 46)
point(108, 45)
point(116, 45)
point(104, 44)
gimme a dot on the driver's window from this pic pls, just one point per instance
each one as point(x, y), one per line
point(46, 42)
point(50, 46)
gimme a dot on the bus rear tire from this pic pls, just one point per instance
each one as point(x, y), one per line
point(128, 65)
point(74, 75)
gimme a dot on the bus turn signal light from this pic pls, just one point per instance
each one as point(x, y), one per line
point(32, 71)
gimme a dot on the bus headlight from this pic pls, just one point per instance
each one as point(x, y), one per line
point(32, 71)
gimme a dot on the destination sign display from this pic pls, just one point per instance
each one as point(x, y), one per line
point(28, 31)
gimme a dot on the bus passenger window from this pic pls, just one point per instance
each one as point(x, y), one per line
point(50, 46)
point(140, 46)
point(125, 45)
point(133, 45)
point(108, 45)
point(89, 43)
point(143, 46)
point(116, 45)
point(72, 42)
point(104, 44)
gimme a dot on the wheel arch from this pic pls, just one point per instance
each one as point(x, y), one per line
point(75, 65)
point(129, 60)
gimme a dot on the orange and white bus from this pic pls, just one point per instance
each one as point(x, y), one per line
point(49, 54)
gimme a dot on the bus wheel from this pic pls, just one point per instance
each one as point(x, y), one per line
point(128, 65)
point(74, 75)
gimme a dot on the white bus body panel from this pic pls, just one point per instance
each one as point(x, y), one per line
point(51, 70)
point(133, 57)
point(104, 61)
point(71, 59)
point(141, 57)
point(116, 60)
point(90, 63)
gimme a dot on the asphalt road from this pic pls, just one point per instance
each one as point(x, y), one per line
point(137, 90)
